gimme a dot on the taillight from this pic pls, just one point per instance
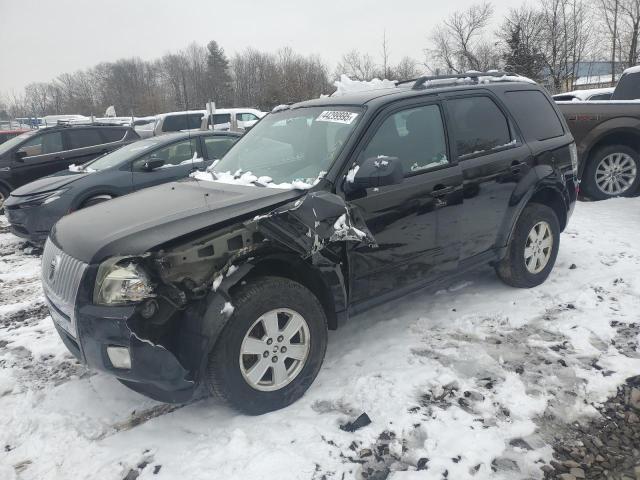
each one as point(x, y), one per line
point(573, 150)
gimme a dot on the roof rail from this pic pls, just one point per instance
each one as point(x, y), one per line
point(420, 82)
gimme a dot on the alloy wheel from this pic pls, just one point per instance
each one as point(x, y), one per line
point(538, 248)
point(615, 174)
point(274, 349)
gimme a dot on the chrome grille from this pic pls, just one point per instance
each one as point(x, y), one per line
point(61, 275)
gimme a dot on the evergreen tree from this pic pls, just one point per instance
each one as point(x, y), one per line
point(521, 58)
point(220, 86)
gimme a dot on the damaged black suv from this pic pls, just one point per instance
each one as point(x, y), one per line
point(230, 279)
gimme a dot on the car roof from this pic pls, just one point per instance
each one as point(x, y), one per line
point(385, 95)
point(173, 136)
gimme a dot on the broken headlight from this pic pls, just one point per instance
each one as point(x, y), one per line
point(121, 282)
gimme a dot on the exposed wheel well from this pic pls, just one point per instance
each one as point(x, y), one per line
point(552, 199)
point(83, 203)
point(299, 272)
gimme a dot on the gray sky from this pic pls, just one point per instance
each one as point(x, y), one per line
point(44, 38)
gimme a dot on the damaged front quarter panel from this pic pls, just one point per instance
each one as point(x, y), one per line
point(196, 278)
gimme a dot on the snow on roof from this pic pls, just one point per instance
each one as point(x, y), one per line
point(635, 69)
point(586, 93)
point(345, 85)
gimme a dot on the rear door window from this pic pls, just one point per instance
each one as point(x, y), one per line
point(176, 123)
point(179, 153)
point(246, 117)
point(43, 144)
point(220, 119)
point(84, 137)
point(113, 134)
point(216, 147)
point(480, 126)
point(534, 114)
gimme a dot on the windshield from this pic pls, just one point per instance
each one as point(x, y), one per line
point(120, 155)
point(291, 146)
point(9, 144)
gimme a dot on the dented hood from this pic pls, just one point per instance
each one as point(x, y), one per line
point(137, 223)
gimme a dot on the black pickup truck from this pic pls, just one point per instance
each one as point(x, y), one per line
point(607, 134)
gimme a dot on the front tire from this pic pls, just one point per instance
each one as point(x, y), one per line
point(533, 248)
point(612, 171)
point(271, 348)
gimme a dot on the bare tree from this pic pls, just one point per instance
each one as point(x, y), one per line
point(386, 71)
point(357, 66)
point(459, 45)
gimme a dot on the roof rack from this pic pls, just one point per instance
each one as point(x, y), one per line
point(420, 82)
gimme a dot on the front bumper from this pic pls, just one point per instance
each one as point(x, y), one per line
point(166, 369)
point(33, 223)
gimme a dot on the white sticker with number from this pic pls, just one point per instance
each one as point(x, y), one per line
point(336, 116)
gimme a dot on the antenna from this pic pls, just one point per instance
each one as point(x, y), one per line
point(186, 104)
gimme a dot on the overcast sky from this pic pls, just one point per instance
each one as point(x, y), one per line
point(42, 39)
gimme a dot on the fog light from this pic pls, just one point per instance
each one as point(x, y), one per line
point(119, 357)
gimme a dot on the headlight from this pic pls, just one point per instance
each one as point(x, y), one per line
point(120, 282)
point(42, 198)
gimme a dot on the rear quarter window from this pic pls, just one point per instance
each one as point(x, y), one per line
point(534, 114)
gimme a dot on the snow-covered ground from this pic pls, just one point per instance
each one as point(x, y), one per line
point(467, 380)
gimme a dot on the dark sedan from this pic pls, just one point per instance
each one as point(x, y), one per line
point(34, 208)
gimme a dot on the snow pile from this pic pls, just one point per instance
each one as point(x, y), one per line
point(345, 85)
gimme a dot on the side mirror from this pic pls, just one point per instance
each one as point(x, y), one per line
point(377, 172)
point(20, 154)
point(152, 164)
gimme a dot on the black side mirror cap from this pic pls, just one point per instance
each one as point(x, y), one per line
point(20, 154)
point(377, 172)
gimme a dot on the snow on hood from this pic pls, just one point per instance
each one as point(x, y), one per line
point(251, 180)
point(345, 85)
point(80, 169)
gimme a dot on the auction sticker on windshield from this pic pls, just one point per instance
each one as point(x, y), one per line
point(337, 117)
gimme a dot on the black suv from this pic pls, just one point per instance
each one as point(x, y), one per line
point(41, 152)
point(324, 209)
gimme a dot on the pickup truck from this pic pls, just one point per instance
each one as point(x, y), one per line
point(607, 134)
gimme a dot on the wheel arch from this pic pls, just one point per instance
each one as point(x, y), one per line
point(627, 136)
point(547, 193)
point(82, 199)
point(315, 278)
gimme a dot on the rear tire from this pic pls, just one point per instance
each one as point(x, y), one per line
point(620, 161)
point(533, 248)
point(266, 311)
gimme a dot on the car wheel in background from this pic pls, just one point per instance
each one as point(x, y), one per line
point(533, 248)
point(612, 171)
point(271, 348)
